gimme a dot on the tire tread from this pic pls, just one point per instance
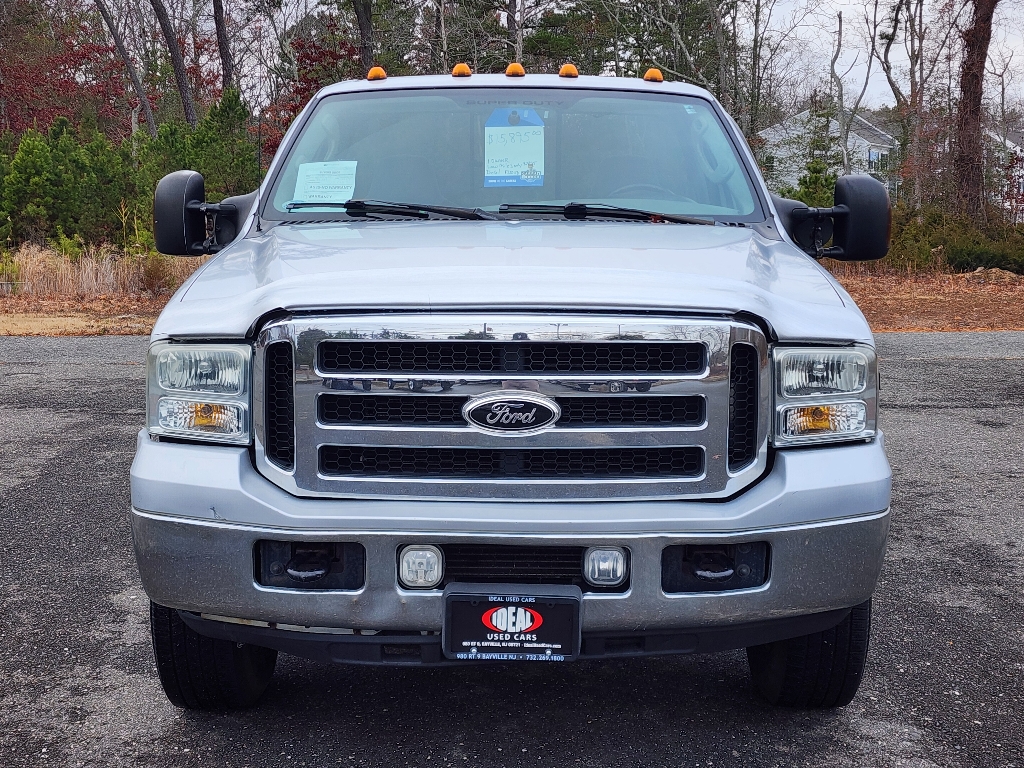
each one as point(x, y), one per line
point(199, 672)
point(821, 670)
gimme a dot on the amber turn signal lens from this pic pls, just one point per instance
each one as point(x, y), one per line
point(832, 419)
point(568, 70)
point(515, 69)
point(653, 75)
point(461, 70)
point(376, 73)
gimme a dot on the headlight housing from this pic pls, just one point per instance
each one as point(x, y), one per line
point(199, 391)
point(824, 394)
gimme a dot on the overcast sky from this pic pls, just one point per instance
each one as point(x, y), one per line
point(1007, 43)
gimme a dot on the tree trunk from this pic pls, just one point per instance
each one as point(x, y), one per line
point(513, 29)
point(177, 62)
point(969, 154)
point(364, 18)
point(133, 75)
point(227, 64)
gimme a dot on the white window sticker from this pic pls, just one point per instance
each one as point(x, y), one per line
point(332, 182)
point(514, 149)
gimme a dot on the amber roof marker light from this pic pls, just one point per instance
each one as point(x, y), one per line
point(568, 70)
point(461, 70)
point(515, 69)
point(653, 75)
point(376, 73)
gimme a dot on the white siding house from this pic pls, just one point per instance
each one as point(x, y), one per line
point(784, 152)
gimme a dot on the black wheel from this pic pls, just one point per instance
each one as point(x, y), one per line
point(200, 672)
point(820, 670)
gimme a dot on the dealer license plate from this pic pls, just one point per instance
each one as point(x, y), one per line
point(500, 622)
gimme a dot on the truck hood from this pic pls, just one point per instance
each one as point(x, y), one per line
point(351, 267)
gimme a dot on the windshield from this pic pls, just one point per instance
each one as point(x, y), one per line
point(488, 147)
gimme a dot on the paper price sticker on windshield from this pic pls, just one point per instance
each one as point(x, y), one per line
point(331, 182)
point(514, 149)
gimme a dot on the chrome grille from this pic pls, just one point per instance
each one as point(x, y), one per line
point(650, 407)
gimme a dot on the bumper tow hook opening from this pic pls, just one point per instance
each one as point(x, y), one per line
point(713, 566)
point(308, 565)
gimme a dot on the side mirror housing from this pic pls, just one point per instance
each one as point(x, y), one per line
point(858, 224)
point(179, 226)
point(184, 224)
point(863, 233)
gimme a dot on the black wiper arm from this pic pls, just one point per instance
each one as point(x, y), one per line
point(583, 210)
point(417, 210)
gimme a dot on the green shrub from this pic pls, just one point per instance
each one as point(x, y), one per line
point(70, 248)
point(1008, 254)
point(71, 186)
point(929, 239)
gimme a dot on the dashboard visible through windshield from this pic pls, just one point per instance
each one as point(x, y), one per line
point(483, 148)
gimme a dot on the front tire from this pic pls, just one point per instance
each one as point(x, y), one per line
point(816, 671)
point(199, 672)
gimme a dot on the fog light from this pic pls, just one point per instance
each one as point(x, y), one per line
point(604, 566)
point(420, 567)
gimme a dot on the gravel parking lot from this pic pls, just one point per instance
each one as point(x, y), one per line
point(945, 684)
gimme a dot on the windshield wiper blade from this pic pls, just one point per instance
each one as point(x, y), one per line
point(417, 210)
point(578, 211)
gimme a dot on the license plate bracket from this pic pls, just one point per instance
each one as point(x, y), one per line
point(511, 622)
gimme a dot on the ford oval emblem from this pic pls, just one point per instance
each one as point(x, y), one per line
point(511, 413)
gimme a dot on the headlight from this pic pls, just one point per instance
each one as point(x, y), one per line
point(199, 391)
point(824, 394)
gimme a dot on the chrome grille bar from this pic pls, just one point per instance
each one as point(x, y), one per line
point(709, 342)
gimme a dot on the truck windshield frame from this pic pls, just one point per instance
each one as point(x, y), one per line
point(669, 153)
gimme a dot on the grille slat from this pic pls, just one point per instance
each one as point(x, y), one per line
point(654, 410)
point(391, 409)
point(743, 396)
point(280, 404)
point(515, 357)
point(447, 411)
point(496, 564)
point(365, 461)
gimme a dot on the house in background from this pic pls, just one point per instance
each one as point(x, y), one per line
point(1006, 150)
point(784, 150)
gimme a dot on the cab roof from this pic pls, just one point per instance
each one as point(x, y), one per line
point(589, 82)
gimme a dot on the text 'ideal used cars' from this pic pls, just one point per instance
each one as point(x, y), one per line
point(525, 368)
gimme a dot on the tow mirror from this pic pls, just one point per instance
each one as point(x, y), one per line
point(858, 224)
point(184, 224)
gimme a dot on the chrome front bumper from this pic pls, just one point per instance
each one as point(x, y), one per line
point(197, 512)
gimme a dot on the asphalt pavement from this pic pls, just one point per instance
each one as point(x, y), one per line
point(944, 687)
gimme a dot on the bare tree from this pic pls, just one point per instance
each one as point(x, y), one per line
point(741, 50)
point(227, 64)
point(926, 43)
point(129, 66)
point(969, 154)
point(845, 117)
point(177, 62)
point(1004, 74)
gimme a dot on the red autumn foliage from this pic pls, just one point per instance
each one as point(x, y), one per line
point(324, 55)
point(54, 64)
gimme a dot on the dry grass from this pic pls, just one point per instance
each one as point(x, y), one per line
point(986, 300)
point(44, 272)
point(102, 291)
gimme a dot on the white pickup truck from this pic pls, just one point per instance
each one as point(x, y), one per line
point(511, 368)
